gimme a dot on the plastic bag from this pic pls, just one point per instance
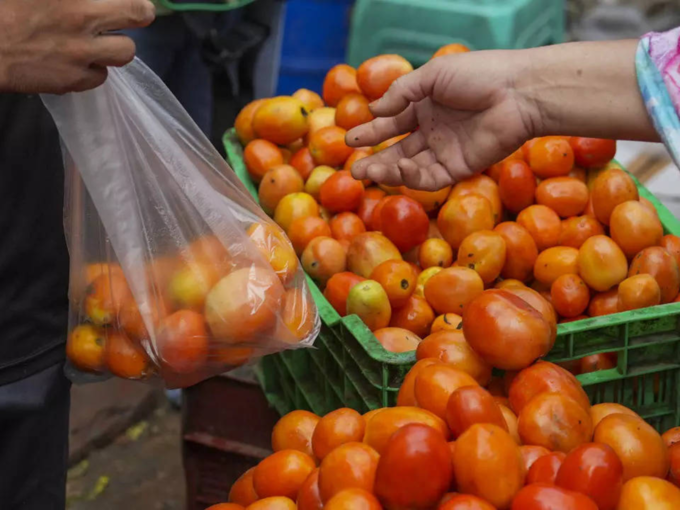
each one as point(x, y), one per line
point(175, 270)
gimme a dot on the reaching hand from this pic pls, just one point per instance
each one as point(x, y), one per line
point(58, 46)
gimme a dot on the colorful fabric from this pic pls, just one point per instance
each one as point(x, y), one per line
point(658, 71)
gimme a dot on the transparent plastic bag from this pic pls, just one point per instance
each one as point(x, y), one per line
point(175, 270)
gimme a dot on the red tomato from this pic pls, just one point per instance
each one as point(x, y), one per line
point(592, 152)
point(472, 404)
point(465, 502)
point(594, 470)
point(544, 469)
point(516, 185)
point(404, 222)
point(548, 497)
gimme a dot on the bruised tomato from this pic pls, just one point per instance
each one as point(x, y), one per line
point(516, 185)
point(485, 253)
point(543, 224)
point(324, 257)
point(566, 196)
point(601, 263)
point(404, 222)
point(611, 188)
point(634, 227)
point(124, 358)
point(521, 251)
point(415, 316)
point(592, 152)
point(86, 346)
point(447, 322)
point(505, 331)
point(451, 348)
point(368, 250)
point(376, 74)
point(660, 264)
point(462, 215)
point(576, 230)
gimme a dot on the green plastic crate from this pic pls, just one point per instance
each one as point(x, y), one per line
point(349, 368)
point(416, 30)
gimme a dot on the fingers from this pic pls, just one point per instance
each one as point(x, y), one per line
point(381, 129)
point(113, 50)
point(410, 88)
point(111, 15)
point(429, 175)
point(92, 78)
point(382, 167)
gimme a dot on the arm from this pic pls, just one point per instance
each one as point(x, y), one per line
point(57, 46)
point(474, 109)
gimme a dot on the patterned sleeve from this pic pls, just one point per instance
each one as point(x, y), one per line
point(658, 72)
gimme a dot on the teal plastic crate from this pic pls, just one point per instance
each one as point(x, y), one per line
point(416, 29)
point(349, 368)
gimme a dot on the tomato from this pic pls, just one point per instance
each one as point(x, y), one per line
point(435, 385)
point(124, 358)
point(435, 253)
point(385, 423)
point(531, 454)
point(451, 348)
point(484, 186)
point(465, 502)
point(404, 222)
point(183, 342)
point(674, 459)
point(447, 322)
point(260, 156)
point(511, 422)
point(451, 49)
point(415, 470)
point(452, 289)
point(595, 362)
point(346, 225)
point(341, 192)
point(656, 261)
point(592, 152)
point(415, 316)
point(545, 377)
point(551, 156)
point(472, 404)
point(294, 432)
point(487, 463)
point(639, 291)
point(430, 200)
point(395, 339)
point(309, 497)
point(570, 295)
point(226, 506)
point(275, 503)
point(672, 245)
point(282, 474)
point(649, 493)
point(349, 466)
point(352, 111)
point(367, 205)
point(516, 185)
point(367, 251)
point(351, 499)
point(358, 154)
point(601, 411)
point(85, 347)
point(521, 251)
point(281, 120)
point(576, 230)
point(634, 227)
point(336, 428)
point(484, 252)
point(601, 263)
point(244, 122)
point(544, 469)
point(611, 188)
point(462, 215)
point(340, 81)
point(376, 74)
point(337, 289)
point(638, 445)
point(406, 396)
point(543, 224)
point(604, 303)
point(671, 436)
point(594, 470)
point(398, 280)
point(242, 492)
point(566, 196)
point(540, 496)
point(505, 331)
point(555, 262)
point(303, 162)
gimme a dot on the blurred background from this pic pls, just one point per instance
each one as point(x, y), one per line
point(133, 448)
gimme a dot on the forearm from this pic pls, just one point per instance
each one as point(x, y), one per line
point(586, 89)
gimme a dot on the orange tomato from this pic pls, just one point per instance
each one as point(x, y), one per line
point(105, 297)
point(403, 221)
point(435, 385)
point(430, 200)
point(294, 206)
point(351, 499)
point(337, 428)
point(634, 227)
point(346, 225)
point(484, 252)
point(398, 280)
point(462, 215)
point(367, 251)
point(281, 120)
point(341, 192)
point(555, 262)
point(244, 122)
point(505, 331)
point(435, 252)
point(451, 49)
point(611, 188)
point(327, 146)
point(639, 291)
point(415, 470)
point(601, 263)
point(396, 339)
point(543, 224)
point(282, 474)
point(484, 186)
point(656, 261)
point(243, 492)
point(576, 230)
point(487, 463)
point(494, 171)
point(352, 111)
point(600, 411)
point(340, 81)
point(324, 257)
point(531, 454)
point(316, 179)
point(640, 448)
point(376, 74)
point(319, 119)
point(303, 162)
point(358, 154)
point(464, 502)
point(570, 295)
point(511, 422)
point(310, 99)
point(674, 459)
point(451, 348)
point(545, 469)
point(337, 289)
point(302, 230)
point(551, 157)
point(452, 289)
point(294, 432)
point(521, 251)
point(273, 246)
point(124, 358)
point(671, 436)
point(349, 466)
point(447, 322)
point(406, 396)
point(566, 196)
point(649, 493)
point(540, 496)
point(85, 347)
point(415, 316)
point(516, 185)
point(592, 152)
point(182, 342)
point(278, 182)
point(309, 497)
point(275, 503)
point(604, 303)
point(226, 506)
point(540, 302)
point(672, 245)
point(472, 404)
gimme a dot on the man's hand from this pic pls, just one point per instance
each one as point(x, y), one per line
point(59, 46)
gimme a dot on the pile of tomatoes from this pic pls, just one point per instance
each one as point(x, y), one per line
point(531, 441)
point(557, 229)
point(209, 310)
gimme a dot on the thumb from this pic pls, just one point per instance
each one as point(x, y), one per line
point(410, 88)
